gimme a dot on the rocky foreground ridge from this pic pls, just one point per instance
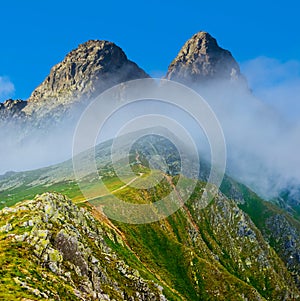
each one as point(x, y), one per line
point(52, 249)
point(61, 252)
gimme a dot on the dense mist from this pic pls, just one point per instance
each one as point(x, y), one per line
point(21, 150)
point(260, 124)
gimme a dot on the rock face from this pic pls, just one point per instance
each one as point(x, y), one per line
point(67, 248)
point(85, 72)
point(97, 65)
point(202, 59)
point(285, 237)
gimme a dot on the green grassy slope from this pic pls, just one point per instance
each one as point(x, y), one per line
point(228, 250)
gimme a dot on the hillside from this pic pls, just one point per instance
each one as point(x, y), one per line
point(198, 253)
point(50, 248)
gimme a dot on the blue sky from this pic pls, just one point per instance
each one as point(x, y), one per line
point(35, 35)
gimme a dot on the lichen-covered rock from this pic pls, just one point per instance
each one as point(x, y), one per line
point(211, 252)
point(70, 247)
point(237, 243)
point(284, 235)
point(6, 228)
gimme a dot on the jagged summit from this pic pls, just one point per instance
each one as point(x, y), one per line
point(90, 68)
point(85, 72)
point(97, 65)
point(201, 59)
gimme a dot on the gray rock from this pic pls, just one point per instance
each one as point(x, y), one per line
point(68, 250)
point(202, 59)
point(84, 73)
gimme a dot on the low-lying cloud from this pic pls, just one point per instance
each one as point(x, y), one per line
point(276, 83)
point(261, 125)
point(261, 128)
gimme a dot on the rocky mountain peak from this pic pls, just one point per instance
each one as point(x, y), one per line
point(201, 42)
point(86, 71)
point(11, 108)
point(11, 103)
point(201, 59)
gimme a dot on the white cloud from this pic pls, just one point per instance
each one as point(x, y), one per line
point(262, 129)
point(7, 88)
point(276, 83)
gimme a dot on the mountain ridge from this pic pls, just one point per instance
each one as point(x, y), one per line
point(84, 73)
point(236, 233)
point(97, 65)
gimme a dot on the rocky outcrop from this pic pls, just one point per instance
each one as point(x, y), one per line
point(97, 65)
point(66, 246)
point(284, 235)
point(240, 247)
point(201, 59)
point(84, 73)
point(279, 225)
point(211, 253)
